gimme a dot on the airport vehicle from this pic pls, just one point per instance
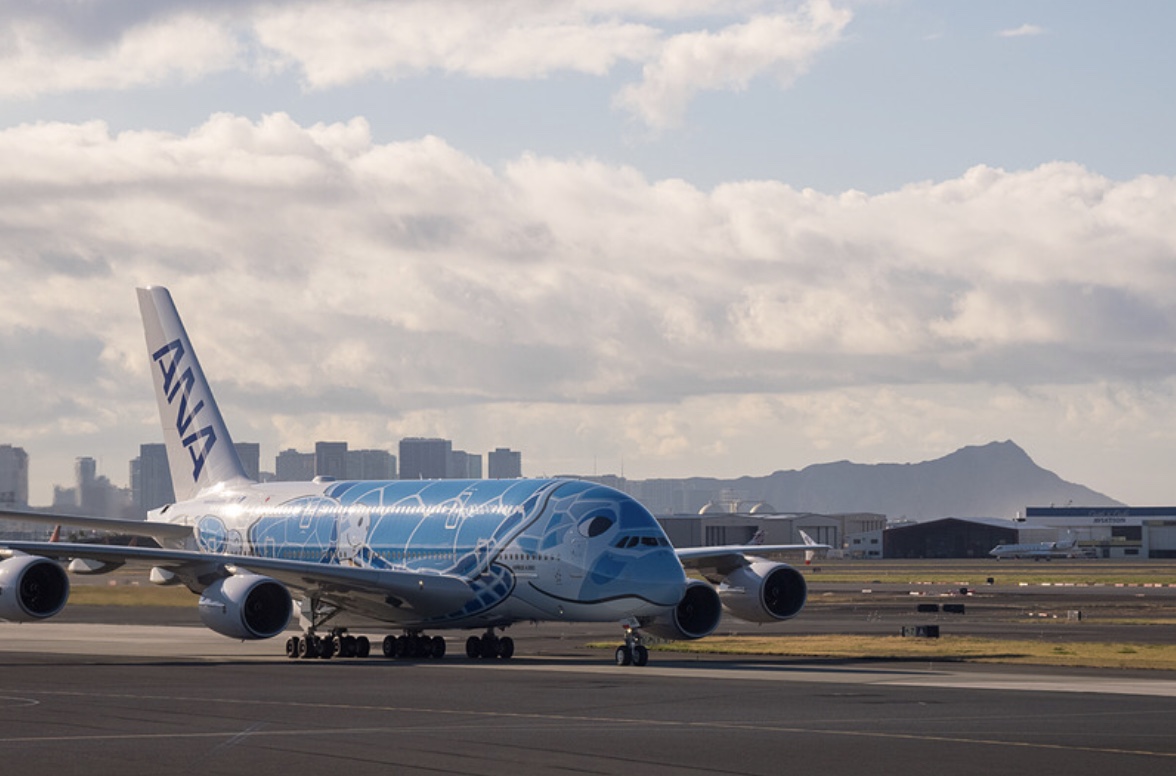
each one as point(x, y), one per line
point(1067, 548)
point(407, 555)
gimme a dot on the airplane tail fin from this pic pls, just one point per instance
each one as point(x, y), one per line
point(200, 452)
point(808, 554)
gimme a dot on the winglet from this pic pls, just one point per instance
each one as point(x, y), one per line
point(200, 452)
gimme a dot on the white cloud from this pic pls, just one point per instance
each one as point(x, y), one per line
point(781, 45)
point(330, 44)
point(334, 282)
point(1024, 31)
point(38, 56)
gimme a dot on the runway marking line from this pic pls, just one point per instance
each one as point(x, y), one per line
point(236, 736)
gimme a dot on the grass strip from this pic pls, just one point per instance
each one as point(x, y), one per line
point(130, 595)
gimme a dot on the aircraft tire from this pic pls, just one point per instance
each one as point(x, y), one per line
point(624, 656)
point(389, 646)
point(363, 646)
point(473, 647)
point(326, 649)
point(438, 647)
point(640, 655)
point(506, 648)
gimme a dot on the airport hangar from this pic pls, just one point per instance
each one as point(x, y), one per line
point(1099, 532)
point(743, 522)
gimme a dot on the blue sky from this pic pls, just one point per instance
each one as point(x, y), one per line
point(700, 238)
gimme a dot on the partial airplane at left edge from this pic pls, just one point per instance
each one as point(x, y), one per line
point(404, 555)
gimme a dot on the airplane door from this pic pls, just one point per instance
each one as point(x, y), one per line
point(576, 558)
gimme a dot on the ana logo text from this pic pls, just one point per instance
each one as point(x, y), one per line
point(181, 387)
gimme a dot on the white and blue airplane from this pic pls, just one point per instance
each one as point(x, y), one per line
point(407, 555)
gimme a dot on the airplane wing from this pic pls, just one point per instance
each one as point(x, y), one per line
point(714, 562)
point(376, 592)
point(157, 531)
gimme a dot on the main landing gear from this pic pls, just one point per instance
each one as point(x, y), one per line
point(632, 652)
point(414, 645)
point(338, 643)
point(489, 646)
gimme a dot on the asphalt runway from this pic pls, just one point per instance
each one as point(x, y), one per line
point(85, 698)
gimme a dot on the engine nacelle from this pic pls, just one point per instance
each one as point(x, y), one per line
point(696, 615)
point(764, 592)
point(31, 588)
point(246, 606)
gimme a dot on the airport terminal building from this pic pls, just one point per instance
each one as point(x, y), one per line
point(1109, 532)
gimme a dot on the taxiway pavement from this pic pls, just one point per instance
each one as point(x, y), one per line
point(145, 699)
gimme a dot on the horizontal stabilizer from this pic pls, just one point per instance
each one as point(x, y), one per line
point(158, 531)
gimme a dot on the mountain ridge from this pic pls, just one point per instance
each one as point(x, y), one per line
point(998, 479)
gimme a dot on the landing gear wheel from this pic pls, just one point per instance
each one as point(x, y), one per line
point(473, 647)
point(506, 648)
point(363, 646)
point(632, 652)
point(292, 647)
point(327, 649)
point(438, 647)
point(389, 646)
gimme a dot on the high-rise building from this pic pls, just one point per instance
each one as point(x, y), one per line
point(90, 498)
point(371, 465)
point(293, 466)
point(464, 466)
point(330, 460)
point(97, 495)
point(424, 459)
point(250, 455)
point(505, 464)
point(14, 476)
point(151, 483)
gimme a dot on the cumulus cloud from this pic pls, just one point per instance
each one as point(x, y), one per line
point(684, 48)
point(333, 282)
point(782, 45)
point(40, 55)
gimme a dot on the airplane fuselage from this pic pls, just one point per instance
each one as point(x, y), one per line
point(547, 549)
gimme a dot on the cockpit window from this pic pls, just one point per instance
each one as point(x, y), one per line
point(628, 542)
point(595, 526)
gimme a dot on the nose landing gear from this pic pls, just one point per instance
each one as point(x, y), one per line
point(632, 652)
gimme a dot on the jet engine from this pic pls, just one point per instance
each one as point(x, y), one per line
point(764, 592)
point(31, 588)
point(696, 615)
point(246, 606)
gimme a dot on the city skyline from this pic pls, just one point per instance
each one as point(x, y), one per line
point(148, 472)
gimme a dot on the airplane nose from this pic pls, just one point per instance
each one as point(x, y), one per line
point(657, 578)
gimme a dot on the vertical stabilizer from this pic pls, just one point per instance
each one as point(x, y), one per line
point(200, 452)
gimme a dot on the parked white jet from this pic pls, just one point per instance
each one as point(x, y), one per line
point(407, 556)
point(1067, 548)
